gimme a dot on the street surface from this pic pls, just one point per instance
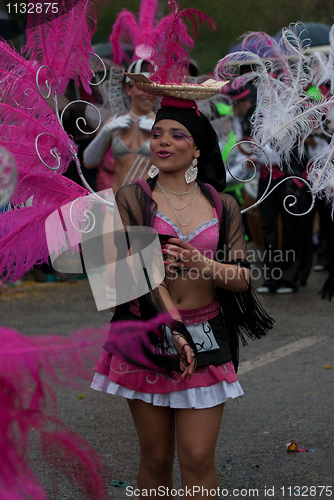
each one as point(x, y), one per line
point(288, 379)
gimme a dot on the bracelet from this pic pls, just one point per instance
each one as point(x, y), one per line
point(208, 264)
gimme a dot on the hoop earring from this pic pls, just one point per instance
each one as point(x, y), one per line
point(153, 171)
point(191, 174)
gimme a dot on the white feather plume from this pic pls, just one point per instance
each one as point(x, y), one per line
point(321, 174)
point(318, 65)
point(329, 74)
point(285, 114)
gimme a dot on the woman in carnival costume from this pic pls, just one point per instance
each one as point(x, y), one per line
point(176, 387)
point(125, 137)
point(205, 240)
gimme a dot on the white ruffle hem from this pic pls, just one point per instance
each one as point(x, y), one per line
point(197, 397)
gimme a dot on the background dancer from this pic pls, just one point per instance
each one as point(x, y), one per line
point(128, 135)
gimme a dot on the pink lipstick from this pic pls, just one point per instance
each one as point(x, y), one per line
point(164, 154)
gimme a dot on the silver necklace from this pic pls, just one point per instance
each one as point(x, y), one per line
point(174, 192)
point(170, 201)
point(192, 215)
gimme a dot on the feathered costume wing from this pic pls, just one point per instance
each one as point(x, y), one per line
point(285, 114)
point(57, 50)
point(28, 366)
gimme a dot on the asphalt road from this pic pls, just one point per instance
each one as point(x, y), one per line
point(287, 378)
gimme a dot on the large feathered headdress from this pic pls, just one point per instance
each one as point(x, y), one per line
point(165, 43)
point(141, 31)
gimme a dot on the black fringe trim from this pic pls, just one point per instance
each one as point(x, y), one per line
point(327, 291)
point(255, 322)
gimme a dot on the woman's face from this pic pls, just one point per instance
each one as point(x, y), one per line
point(141, 102)
point(172, 146)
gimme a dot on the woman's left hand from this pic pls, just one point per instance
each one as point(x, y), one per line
point(145, 123)
point(183, 255)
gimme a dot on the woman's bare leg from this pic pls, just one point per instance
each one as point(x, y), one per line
point(155, 427)
point(197, 433)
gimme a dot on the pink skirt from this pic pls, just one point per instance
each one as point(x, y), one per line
point(209, 386)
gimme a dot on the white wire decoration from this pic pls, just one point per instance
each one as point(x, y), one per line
point(291, 198)
point(8, 176)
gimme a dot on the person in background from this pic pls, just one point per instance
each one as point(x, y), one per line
point(288, 251)
point(127, 135)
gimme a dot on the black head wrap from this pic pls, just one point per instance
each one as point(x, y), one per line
point(210, 163)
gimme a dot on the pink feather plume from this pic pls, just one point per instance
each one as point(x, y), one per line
point(27, 366)
point(130, 341)
point(25, 115)
point(169, 53)
point(147, 20)
point(62, 41)
point(125, 28)
point(161, 42)
point(22, 229)
point(32, 133)
point(141, 32)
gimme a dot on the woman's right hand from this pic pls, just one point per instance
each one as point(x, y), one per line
point(186, 355)
point(122, 121)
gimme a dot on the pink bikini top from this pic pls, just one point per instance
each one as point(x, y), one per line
point(204, 237)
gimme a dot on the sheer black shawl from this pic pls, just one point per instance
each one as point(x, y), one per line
point(243, 314)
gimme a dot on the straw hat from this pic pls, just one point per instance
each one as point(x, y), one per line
point(193, 91)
